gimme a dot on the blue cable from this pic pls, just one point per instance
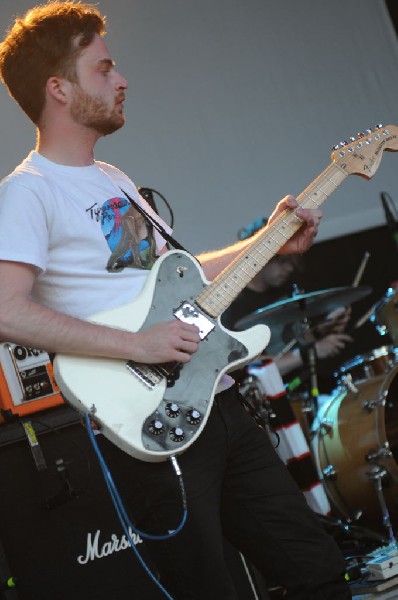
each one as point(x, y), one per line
point(121, 511)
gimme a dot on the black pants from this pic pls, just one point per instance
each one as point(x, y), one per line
point(237, 487)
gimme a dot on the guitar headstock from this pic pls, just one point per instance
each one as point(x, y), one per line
point(362, 155)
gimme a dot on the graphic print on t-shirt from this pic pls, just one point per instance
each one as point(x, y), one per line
point(129, 236)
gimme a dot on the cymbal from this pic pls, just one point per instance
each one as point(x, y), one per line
point(297, 308)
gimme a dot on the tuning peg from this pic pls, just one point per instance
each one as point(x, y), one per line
point(360, 137)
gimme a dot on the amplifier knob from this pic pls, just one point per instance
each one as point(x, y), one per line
point(172, 410)
point(156, 427)
point(194, 417)
point(177, 434)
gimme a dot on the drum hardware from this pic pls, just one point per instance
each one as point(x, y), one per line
point(370, 405)
point(306, 405)
point(330, 473)
point(326, 426)
point(377, 475)
point(303, 409)
point(384, 314)
point(348, 382)
point(353, 518)
point(356, 516)
point(383, 452)
point(255, 401)
point(381, 329)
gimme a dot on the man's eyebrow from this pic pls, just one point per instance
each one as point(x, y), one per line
point(107, 61)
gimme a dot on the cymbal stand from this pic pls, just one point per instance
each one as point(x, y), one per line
point(311, 357)
point(314, 391)
point(308, 356)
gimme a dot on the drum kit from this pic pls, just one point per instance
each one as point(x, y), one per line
point(353, 435)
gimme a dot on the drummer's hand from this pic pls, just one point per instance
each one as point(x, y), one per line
point(335, 322)
point(332, 344)
point(304, 237)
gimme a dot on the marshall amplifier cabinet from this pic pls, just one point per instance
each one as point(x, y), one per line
point(60, 537)
point(27, 383)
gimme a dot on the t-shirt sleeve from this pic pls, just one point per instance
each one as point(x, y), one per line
point(24, 231)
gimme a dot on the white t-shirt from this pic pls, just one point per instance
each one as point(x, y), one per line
point(92, 250)
point(75, 224)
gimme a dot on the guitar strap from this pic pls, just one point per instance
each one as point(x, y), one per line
point(156, 224)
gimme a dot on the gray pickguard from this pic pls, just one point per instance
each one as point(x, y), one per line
point(179, 280)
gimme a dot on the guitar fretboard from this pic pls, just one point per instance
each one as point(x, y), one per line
point(231, 281)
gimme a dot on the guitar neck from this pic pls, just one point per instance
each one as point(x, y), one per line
point(233, 279)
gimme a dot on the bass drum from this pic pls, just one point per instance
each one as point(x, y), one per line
point(355, 446)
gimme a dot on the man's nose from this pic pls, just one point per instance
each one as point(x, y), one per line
point(121, 82)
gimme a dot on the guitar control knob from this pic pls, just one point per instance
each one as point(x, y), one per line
point(177, 434)
point(194, 417)
point(156, 427)
point(172, 410)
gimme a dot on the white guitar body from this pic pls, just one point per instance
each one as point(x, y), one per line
point(154, 421)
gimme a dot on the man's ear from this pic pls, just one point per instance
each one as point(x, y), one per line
point(58, 89)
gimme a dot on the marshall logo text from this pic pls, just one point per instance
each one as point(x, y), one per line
point(96, 550)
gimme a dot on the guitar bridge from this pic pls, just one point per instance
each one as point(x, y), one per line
point(152, 375)
point(149, 375)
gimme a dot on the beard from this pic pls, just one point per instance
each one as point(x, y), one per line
point(91, 111)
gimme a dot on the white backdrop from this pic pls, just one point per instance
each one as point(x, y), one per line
point(234, 103)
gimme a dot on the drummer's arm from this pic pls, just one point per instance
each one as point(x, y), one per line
point(331, 345)
point(288, 362)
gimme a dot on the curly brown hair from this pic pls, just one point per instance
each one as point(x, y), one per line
point(46, 42)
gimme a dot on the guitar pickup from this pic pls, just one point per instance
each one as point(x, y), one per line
point(189, 314)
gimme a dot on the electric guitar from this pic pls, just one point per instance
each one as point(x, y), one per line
point(155, 411)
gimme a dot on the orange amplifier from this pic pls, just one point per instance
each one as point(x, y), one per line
point(27, 381)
